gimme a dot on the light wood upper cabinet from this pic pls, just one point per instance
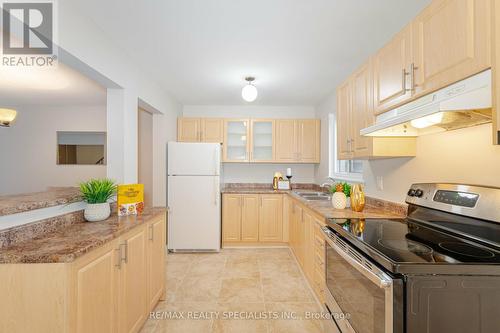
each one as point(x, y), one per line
point(156, 257)
point(231, 217)
point(286, 140)
point(250, 218)
point(344, 123)
point(96, 292)
point(212, 130)
point(200, 130)
point(271, 218)
point(362, 109)
point(298, 140)
point(188, 129)
point(390, 68)
point(262, 136)
point(355, 112)
point(308, 140)
point(133, 295)
point(236, 147)
point(451, 42)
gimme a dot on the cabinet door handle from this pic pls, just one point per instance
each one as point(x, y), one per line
point(261, 201)
point(125, 252)
point(151, 232)
point(413, 68)
point(404, 73)
point(119, 255)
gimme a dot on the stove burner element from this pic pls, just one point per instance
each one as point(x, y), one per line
point(466, 250)
point(405, 246)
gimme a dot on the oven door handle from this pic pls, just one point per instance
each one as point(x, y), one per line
point(378, 277)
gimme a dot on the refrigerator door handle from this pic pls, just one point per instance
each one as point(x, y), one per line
point(216, 161)
point(216, 192)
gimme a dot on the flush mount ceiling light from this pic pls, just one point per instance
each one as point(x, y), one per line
point(7, 116)
point(249, 92)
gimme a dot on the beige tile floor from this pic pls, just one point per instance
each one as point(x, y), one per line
point(237, 290)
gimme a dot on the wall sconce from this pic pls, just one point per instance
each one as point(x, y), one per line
point(7, 116)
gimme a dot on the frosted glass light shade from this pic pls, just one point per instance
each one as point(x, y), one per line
point(7, 116)
point(249, 93)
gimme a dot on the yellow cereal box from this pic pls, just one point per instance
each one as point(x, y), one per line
point(130, 199)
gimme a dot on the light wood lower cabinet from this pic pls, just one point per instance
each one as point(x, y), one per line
point(307, 243)
point(110, 289)
point(155, 249)
point(252, 218)
point(271, 218)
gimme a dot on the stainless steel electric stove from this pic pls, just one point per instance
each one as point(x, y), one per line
point(437, 270)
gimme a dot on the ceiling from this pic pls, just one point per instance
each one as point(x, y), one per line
point(298, 50)
point(59, 86)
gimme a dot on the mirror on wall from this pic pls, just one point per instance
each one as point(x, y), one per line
point(81, 148)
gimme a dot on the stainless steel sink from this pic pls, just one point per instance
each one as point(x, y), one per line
point(311, 194)
point(317, 198)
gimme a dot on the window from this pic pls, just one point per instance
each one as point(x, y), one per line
point(348, 170)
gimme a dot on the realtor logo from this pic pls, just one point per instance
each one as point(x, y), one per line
point(28, 33)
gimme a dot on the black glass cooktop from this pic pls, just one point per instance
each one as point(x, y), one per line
point(409, 241)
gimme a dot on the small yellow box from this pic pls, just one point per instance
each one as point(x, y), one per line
point(130, 199)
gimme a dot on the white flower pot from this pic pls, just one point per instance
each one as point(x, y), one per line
point(97, 212)
point(339, 200)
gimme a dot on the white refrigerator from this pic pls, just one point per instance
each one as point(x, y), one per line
point(193, 196)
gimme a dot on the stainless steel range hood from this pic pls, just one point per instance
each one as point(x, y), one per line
point(462, 104)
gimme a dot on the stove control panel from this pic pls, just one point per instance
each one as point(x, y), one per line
point(456, 198)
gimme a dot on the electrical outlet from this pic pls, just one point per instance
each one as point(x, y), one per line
point(380, 183)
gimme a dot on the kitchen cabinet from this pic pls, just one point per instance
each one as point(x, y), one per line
point(355, 112)
point(298, 140)
point(231, 217)
point(96, 282)
point(156, 257)
point(286, 140)
point(390, 68)
point(451, 41)
point(133, 291)
point(308, 141)
point(188, 129)
point(236, 146)
point(495, 36)
point(212, 130)
point(262, 140)
point(344, 123)
point(200, 130)
point(104, 290)
point(252, 218)
point(307, 243)
point(271, 218)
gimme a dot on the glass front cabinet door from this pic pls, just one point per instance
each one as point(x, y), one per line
point(262, 140)
point(236, 140)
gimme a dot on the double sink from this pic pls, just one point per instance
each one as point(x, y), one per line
point(314, 196)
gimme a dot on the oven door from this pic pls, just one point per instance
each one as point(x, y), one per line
point(359, 294)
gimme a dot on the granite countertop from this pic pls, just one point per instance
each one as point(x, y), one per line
point(66, 244)
point(13, 204)
point(373, 209)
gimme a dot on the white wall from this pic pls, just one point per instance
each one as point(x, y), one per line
point(86, 48)
point(256, 173)
point(326, 107)
point(460, 156)
point(146, 154)
point(28, 150)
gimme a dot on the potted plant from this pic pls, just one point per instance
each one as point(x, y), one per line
point(340, 194)
point(97, 192)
